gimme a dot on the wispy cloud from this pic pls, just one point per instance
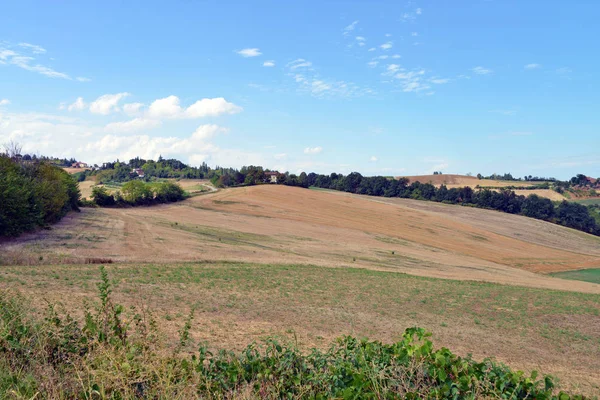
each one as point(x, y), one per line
point(348, 29)
point(564, 71)
point(299, 63)
point(372, 49)
point(269, 63)
point(249, 52)
point(313, 150)
point(373, 159)
point(387, 45)
point(533, 66)
point(479, 70)
point(83, 79)
point(439, 81)
point(4, 102)
point(411, 16)
point(34, 48)
point(504, 112)
point(28, 62)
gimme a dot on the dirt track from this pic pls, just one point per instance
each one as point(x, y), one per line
point(278, 224)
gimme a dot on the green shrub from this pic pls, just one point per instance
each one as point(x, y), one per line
point(33, 195)
point(137, 193)
point(102, 197)
point(167, 192)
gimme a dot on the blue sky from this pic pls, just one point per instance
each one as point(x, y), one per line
point(378, 87)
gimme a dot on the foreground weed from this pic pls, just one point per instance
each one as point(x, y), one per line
point(117, 354)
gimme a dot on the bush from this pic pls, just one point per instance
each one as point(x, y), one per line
point(166, 192)
point(101, 197)
point(137, 193)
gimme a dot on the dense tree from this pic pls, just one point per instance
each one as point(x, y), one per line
point(538, 207)
point(33, 194)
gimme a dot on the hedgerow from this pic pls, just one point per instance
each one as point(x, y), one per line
point(33, 194)
point(118, 353)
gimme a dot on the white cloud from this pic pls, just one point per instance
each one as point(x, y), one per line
point(410, 81)
point(136, 124)
point(211, 108)
point(388, 35)
point(418, 11)
point(396, 56)
point(249, 52)
point(169, 107)
point(107, 103)
point(350, 28)
point(360, 39)
point(414, 34)
point(64, 136)
point(132, 108)
point(269, 63)
point(35, 49)
point(83, 79)
point(280, 156)
point(4, 102)
point(5, 54)
point(387, 45)
point(78, 105)
point(439, 81)
point(392, 68)
point(313, 150)
point(373, 159)
point(383, 57)
point(481, 70)
point(532, 66)
point(299, 63)
point(372, 64)
point(372, 49)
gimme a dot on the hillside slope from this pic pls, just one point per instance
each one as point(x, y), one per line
point(290, 225)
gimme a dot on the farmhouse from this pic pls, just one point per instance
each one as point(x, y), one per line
point(79, 164)
point(138, 171)
point(272, 176)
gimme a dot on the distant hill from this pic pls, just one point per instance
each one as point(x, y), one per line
point(457, 181)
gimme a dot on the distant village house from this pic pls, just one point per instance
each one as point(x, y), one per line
point(272, 176)
point(138, 171)
point(79, 164)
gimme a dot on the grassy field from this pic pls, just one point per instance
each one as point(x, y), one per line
point(587, 275)
point(237, 303)
point(588, 202)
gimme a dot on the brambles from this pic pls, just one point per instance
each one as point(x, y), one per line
point(116, 353)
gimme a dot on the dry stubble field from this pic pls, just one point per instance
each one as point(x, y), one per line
point(459, 181)
point(274, 260)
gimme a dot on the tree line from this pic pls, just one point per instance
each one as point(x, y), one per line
point(33, 194)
